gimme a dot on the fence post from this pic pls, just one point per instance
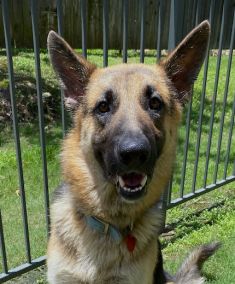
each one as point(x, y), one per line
point(125, 7)
point(176, 21)
point(105, 32)
point(2, 246)
point(215, 91)
point(59, 8)
point(84, 27)
point(7, 35)
point(34, 16)
point(159, 30)
point(165, 199)
point(142, 30)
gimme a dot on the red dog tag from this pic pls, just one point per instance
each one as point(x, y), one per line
point(130, 242)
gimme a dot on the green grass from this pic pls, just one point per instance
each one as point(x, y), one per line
point(186, 236)
point(10, 202)
point(190, 229)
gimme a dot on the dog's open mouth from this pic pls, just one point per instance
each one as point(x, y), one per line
point(132, 186)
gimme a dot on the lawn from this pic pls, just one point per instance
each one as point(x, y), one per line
point(189, 226)
point(221, 222)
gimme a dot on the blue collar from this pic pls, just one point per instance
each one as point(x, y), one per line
point(106, 228)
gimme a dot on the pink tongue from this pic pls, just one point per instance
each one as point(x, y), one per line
point(132, 180)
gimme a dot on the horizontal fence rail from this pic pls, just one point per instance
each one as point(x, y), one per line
point(205, 156)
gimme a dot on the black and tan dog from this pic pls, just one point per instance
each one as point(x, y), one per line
point(116, 162)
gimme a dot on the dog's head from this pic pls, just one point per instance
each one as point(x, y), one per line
point(122, 146)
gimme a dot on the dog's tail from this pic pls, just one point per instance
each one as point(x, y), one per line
point(189, 272)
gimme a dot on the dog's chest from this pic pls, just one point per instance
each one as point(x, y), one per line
point(78, 252)
point(112, 263)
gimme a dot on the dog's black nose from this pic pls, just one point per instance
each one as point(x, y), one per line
point(134, 152)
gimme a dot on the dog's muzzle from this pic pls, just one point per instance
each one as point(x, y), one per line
point(128, 161)
point(133, 155)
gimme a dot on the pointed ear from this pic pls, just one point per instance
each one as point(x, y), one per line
point(184, 62)
point(73, 70)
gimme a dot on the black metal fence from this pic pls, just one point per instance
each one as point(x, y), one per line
point(206, 115)
point(72, 18)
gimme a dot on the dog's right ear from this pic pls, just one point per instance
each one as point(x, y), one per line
point(73, 70)
point(184, 63)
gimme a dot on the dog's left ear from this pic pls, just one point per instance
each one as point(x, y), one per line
point(73, 70)
point(184, 63)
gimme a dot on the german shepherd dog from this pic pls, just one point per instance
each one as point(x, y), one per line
point(116, 162)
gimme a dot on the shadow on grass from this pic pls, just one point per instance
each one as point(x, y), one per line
point(209, 276)
point(196, 220)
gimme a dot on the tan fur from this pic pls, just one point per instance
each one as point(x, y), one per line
point(78, 164)
point(90, 190)
point(75, 258)
point(77, 253)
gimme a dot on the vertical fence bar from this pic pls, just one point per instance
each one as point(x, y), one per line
point(214, 96)
point(163, 206)
point(188, 123)
point(234, 168)
point(168, 195)
point(34, 16)
point(105, 32)
point(198, 10)
point(84, 23)
point(6, 24)
point(2, 246)
point(59, 7)
point(175, 23)
point(183, 172)
point(159, 29)
point(195, 8)
point(188, 120)
point(125, 30)
point(224, 99)
point(169, 191)
point(142, 30)
point(229, 139)
point(172, 27)
point(202, 103)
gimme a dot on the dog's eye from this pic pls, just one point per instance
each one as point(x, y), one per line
point(103, 107)
point(155, 103)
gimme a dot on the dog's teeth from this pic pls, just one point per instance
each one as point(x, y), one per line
point(143, 182)
point(132, 189)
point(126, 189)
point(121, 182)
point(137, 189)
